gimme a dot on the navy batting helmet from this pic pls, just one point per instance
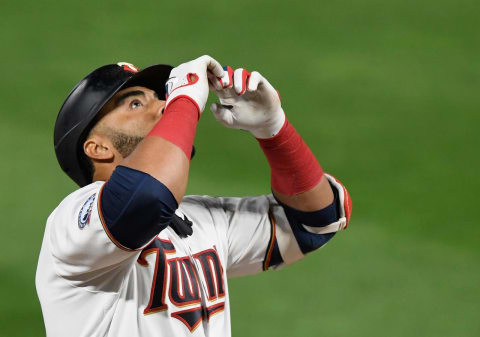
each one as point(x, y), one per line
point(77, 115)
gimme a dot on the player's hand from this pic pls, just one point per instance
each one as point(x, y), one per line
point(190, 80)
point(248, 102)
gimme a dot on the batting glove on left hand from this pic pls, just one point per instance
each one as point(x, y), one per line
point(190, 80)
point(248, 102)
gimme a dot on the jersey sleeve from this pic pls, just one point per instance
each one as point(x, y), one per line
point(257, 227)
point(81, 249)
point(261, 233)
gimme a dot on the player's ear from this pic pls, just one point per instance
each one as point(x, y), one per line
point(98, 147)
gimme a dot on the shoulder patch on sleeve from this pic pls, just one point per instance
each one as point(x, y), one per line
point(86, 211)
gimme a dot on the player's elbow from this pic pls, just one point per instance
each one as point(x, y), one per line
point(313, 230)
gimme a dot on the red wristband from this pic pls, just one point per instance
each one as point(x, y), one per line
point(178, 124)
point(294, 167)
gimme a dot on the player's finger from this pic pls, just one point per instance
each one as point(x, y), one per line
point(214, 83)
point(222, 114)
point(240, 79)
point(211, 86)
point(254, 81)
point(212, 65)
point(227, 80)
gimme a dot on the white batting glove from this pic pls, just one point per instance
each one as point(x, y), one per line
point(190, 80)
point(248, 102)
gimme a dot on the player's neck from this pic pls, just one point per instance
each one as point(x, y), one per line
point(103, 171)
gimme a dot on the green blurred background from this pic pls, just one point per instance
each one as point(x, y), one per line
point(384, 92)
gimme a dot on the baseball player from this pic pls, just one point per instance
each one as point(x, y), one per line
point(128, 254)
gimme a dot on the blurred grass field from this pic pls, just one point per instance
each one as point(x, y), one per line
point(386, 93)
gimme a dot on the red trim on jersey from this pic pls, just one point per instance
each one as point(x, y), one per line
point(179, 262)
point(294, 168)
point(190, 327)
point(271, 244)
point(179, 123)
point(163, 307)
point(214, 309)
point(218, 293)
point(105, 228)
point(143, 261)
point(169, 251)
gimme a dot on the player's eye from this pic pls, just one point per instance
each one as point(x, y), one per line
point(135, 104)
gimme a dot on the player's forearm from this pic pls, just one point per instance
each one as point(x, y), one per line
point(296, 176)
point(165, 152)
point(316, 198)
point(249, 102)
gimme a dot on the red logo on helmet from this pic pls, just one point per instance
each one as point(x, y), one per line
point(128, 67)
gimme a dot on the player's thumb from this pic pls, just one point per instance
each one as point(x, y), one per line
point(222, 114)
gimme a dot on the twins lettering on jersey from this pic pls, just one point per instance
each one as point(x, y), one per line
point(184, 283)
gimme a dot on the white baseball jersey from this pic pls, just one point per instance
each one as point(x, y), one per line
point(89, 285)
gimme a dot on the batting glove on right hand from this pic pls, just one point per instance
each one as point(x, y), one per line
point(190, 80)
point(248, 102)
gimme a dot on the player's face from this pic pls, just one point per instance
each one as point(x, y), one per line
point(133, 111)
point(126, 119)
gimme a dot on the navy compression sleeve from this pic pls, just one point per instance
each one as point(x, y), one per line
point(135, 207)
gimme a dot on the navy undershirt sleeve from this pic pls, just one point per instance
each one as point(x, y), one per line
point(306, 240)
point(135, 207)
